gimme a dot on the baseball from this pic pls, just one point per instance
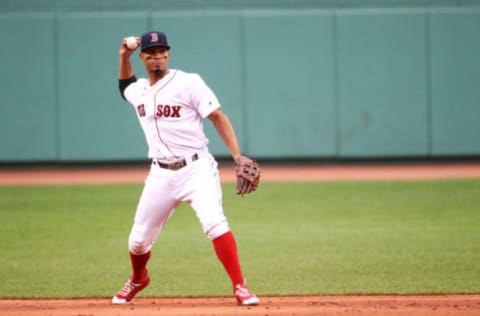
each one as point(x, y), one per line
point(131, 42)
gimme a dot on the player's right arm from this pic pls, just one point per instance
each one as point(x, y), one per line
point(125, 69)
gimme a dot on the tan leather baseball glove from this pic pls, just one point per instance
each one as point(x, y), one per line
point(247, 172)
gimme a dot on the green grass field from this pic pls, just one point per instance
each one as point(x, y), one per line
point(293, 238)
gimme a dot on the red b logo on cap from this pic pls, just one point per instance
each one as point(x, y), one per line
point(154, 37)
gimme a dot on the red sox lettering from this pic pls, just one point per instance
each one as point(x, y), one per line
point(141, 110)
point(168, 110)
point(162, 110)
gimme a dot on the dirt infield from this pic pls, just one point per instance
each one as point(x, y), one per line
point(28, 176)
point(464, 305)
point(442, 305)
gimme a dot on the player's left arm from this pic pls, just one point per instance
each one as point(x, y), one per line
point(247, 170)
point(225, 129)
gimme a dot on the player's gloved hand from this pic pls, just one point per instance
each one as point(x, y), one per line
point(247, 172)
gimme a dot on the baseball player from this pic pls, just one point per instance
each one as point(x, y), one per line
point(171, 106)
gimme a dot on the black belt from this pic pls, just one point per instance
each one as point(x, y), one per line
point(174, 165)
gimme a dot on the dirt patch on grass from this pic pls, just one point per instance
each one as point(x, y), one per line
point(443, 305)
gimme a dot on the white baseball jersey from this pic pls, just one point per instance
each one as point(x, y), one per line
point(171, 112)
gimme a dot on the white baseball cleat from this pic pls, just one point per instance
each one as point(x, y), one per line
point(129, 290)
point(244, 296)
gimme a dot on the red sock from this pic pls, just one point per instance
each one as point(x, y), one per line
point(139, 265)
point(226, 250)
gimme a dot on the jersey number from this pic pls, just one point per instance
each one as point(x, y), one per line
point(168, 110)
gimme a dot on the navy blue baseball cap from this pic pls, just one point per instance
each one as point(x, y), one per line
point(152, 39)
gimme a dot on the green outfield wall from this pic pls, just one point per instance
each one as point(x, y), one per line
point(299, 79)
